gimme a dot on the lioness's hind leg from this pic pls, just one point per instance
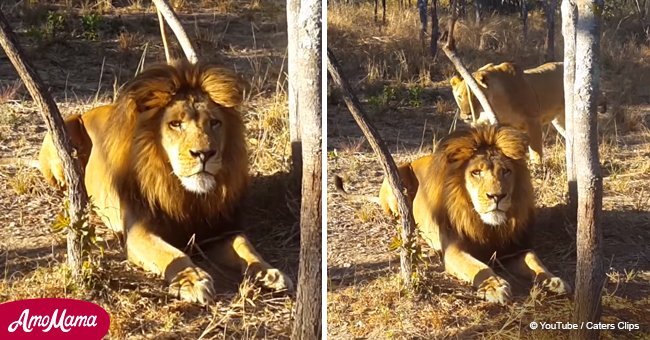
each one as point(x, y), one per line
point(239, 252)
point(530, 266)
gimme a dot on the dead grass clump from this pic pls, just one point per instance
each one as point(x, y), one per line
point(268, 134)
point(10, 91)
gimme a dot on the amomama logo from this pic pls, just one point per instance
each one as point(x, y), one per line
point(52, 318)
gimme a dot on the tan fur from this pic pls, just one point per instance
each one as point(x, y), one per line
point(170, 126)
point(409, 180)
point(524, 99)
point(50, 164)
point(456, 183)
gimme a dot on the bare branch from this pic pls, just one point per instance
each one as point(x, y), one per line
point(450, 50)
point(174, 23)
point(387, 163)
point(50, 112)
point(163, 36)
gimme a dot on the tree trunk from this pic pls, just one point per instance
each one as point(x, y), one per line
point(387, 163)
point(435, 31)
point(551, 6)
point(569, 20)
point(293, 28)
point(73, 171)
point(590, 274)
point(308, 66)
point(422, 11)
point(174, 23)
point(524, 19)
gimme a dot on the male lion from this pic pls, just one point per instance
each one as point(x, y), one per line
point(526, 100)
point(474, 201)
point(168, 164)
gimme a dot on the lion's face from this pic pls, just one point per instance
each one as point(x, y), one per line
point(192, 136)
point(489, 183)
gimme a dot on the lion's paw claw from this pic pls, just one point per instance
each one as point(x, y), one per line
point(556, 285)
point(274, 279)
point(193, 284)
point(496, 290)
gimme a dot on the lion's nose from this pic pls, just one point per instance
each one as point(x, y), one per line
point(496, 197)
point(203, 155)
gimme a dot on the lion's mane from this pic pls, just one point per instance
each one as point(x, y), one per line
point(139, 168)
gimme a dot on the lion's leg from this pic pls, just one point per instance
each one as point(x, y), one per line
point(186, 280)
point(536, 142)
point(558, 123)
point(238, 252)
point(530, 266)
point(464, 266)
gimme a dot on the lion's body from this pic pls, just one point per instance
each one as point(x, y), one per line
point(474, 200)
point(168, 164)
point(524, 99)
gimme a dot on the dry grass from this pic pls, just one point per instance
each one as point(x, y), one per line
point(83, 74)
point(365, 298)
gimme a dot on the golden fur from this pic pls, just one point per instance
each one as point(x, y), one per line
point(50, 164)
point(168, 163)
point(474, 200)
point(524, 99)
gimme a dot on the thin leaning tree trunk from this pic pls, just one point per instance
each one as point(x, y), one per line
point(308, 65)
point(55, 125)
point(175, 24)
point(450, 50)
point(387, 163)
point(293, 29)
point(590, 274)
point(569, 20)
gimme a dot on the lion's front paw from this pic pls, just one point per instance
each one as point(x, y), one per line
point(274, 279)
point(193, 284)
point(555, 285)
point(495, 289)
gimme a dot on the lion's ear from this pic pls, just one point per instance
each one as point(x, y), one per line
point(481, 79)
point(457, 146)
point(513, 143)
point(223, 86)
point(455, 80)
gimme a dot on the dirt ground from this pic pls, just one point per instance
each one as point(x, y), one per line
point(411, 112)
point(84, 51)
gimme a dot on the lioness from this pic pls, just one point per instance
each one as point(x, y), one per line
point(526, 100)
point(168, 164)
point(474, 201)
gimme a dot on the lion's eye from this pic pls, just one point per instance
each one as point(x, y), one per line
point(175, 124)
point(215, 123)
point(476, 173)
point(506, 172)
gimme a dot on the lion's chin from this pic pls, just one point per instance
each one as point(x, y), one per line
point(201, 183)
point(494, 218)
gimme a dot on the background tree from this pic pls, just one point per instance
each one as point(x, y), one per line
point(550, 9)
point(73, 171)
point(569, 17)
point(293, 78)
point(590, 275)
point(307, 76)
